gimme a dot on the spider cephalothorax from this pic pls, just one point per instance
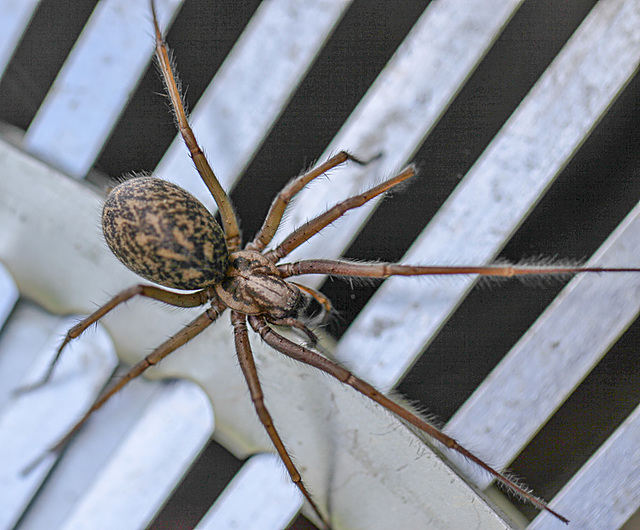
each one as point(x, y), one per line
point(165, 235)
point(253, 286)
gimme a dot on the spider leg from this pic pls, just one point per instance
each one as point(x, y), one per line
point(319, 297)
point(148, 291)
point(191, 330)
point(248, 366)
point(169, 76)
point(306, 356)
point(312, 227)
point(384, 270)
point(276, 211)
point(295, 323)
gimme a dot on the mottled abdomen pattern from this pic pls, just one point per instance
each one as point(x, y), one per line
point(164, 234)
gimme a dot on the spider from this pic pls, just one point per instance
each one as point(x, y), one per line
point(162, 233)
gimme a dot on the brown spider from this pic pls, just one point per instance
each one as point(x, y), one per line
point(166, 236)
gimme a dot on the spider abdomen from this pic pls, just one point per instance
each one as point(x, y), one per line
point(164, 234)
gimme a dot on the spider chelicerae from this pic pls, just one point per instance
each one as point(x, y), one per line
point(163, 234)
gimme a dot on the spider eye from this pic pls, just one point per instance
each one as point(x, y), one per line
point(164, 234)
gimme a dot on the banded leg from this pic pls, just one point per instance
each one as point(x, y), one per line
point(282, 200)
point(384, 270)
point(304, 355)
point(147, 291)
point(172, 85)
point(310, 228)
point(297, 324)
point(248, 366)
point(317, 295)
point(191, 330)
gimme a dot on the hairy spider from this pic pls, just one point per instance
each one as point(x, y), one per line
point(166, 236)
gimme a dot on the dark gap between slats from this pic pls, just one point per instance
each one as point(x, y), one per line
point(43, 49)
point(201, 37)
point(595, 192)
point(358, 49)
point(521, 54)
point(485, 327)
point(585, 421)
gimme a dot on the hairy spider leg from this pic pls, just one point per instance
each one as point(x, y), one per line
point(147, 291)
point(312, 227)
point(248, 366)
point(311, 358)
point(384, 270)
point(319, 297)
point(171, 82)
point(191, 330)
point(279, 204)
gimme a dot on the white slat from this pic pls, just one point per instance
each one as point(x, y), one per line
point(95, 84)
point(400, 109)
point(251, 88)
point(138, 469)
point(14, 17)
point(29, 329)
point(614, 468)
point(500, 189)
point(8, 294)
point(27, 427)
point(259, 497)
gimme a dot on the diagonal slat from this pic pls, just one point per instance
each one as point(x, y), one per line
point(399, 110)
point(95, 84)
point(8, 294)
point(553, 357)
point(251, 88)
point(260, 496)
point(500, 189)
point(14, 18)
point(144, 480)
point(26, 427)
point(614, 468)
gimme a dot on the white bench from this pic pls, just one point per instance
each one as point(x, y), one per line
point(124, 465)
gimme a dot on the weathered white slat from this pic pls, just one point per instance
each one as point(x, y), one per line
point(401, 107)
point(139, 467)
point(14, 18)
point(251, 89)
point(605, 493)
point(95, 83)
point(27, 426)
point(88, 455)
point(343, 444)
point(22, 337)
point(260, 497)
point(8, 294)
point(499, 190)
point(554, 356)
